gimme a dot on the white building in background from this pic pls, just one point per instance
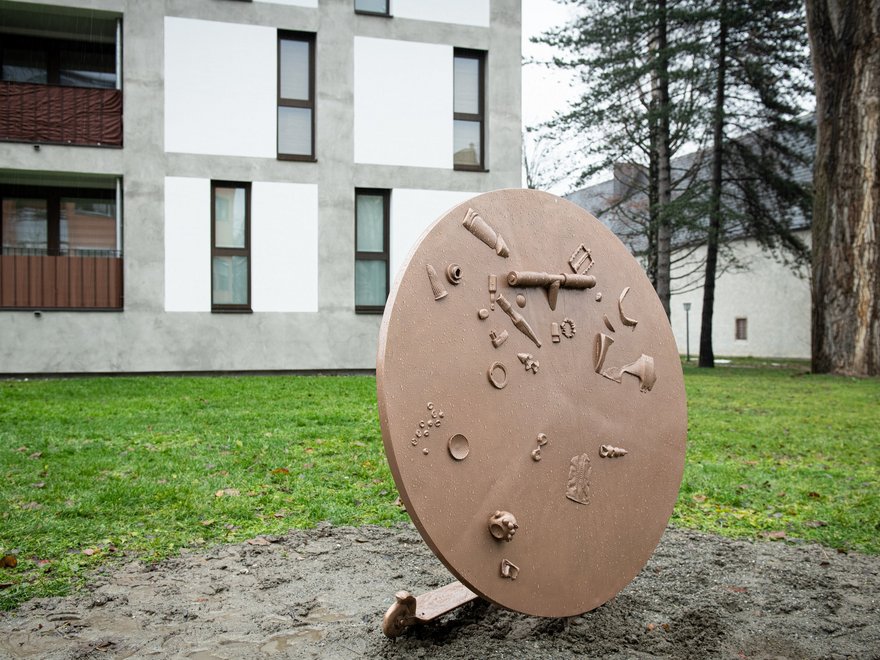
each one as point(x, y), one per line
point(222, 185)
point(762, 305)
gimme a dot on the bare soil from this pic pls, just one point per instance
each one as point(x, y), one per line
point(322, 593)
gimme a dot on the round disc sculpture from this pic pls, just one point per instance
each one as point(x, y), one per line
point(532, 403)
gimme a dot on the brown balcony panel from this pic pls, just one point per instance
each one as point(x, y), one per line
point(41, 282)
point(66, 115)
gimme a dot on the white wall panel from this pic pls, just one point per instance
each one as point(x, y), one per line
point(187, 245)
point(412, 212)
point(768, 294)
point(464, 12)
point(402, 103)
point(284, 247)
point(220, 88)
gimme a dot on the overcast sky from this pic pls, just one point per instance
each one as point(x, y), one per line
point(544, 91)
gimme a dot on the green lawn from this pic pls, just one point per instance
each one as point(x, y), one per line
point(93, 468)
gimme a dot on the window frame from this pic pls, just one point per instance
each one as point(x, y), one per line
point(480, 56)
point(231, 252)
point(741, 322)
point(365, 12)
point(385, 193)
point(309, 38)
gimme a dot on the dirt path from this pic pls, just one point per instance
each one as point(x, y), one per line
point(322, 593)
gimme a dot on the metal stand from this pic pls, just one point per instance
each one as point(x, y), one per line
point(409, 610)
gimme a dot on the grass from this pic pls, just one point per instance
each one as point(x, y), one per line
point(779, 453)
point(94, 468)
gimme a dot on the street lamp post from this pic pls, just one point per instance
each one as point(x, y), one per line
point(687, 328)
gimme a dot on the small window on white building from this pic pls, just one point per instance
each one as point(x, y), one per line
point(742, 329)
point(376, 7)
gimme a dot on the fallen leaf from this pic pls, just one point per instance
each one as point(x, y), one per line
point(36, 455)
point(815, 523)
point(39, 484)
point(309, 450)
point(650, 627)
point(22, 449)
point(813, 494)
point(665, 627)
point(281, 470)
point(774, 536)
point(698, 498)
point(90, 551)
point(43, 562)
point(206, 523)
point(228, 492)
point(258, 541)
point(743, 486)
point(737, 590)
point(358, 443)
point(32, 506)
point(279, 515)
point(229, 526)
point(6, 585)
point(9, 561)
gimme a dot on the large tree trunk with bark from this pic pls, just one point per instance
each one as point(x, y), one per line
point(707, 353)
point(845, 42)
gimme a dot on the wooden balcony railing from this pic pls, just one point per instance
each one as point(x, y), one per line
point(63, 115)
point(37, 281)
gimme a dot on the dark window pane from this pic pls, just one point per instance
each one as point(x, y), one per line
point(466, 76)
point(25, 226)
point(229, 217)
point(87, 224)
point(374, 6)
point(466, 142)
point(295, 131)
point(370, 223)
point(84, 68)
point(294, 70)
point(25, 66)
point(229, 280)
point(369, 283)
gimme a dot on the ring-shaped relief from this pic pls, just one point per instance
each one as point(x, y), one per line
point(597, 391)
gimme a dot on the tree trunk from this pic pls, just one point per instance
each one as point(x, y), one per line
point(660, 143)
point(707, 354)
point(845, 43)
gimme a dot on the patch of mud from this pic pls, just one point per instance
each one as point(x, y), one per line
point(321, 593)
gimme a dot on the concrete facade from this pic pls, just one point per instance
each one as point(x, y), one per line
point(199, 104)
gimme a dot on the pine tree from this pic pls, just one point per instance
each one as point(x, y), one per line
point(759, 136)
point(632, 57)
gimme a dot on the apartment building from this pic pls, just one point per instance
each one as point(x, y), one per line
point(225, 185)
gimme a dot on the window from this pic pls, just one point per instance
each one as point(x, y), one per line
point(60, 248)
point(58, 62)
point(296, 96)
point(377, 7)
point(741, 331)
point(371, 250)
point(468, 110)
point(230, 246)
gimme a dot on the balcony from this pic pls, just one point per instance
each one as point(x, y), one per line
point(59, 114)
point(32, 279)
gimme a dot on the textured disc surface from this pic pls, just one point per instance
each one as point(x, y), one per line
point(592, 495)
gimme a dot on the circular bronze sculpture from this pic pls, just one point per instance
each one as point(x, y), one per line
point(553, 478)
